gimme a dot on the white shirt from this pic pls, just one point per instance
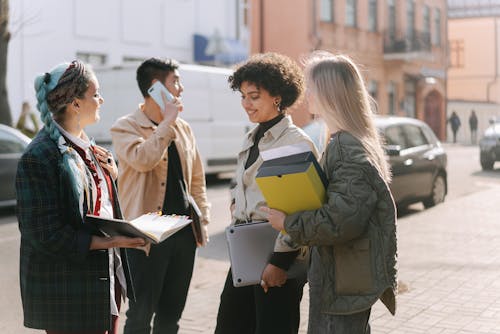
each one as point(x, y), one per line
point(106, 211)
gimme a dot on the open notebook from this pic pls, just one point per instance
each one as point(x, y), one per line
point(151, 226)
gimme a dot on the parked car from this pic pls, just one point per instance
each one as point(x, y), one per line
point(489, 146)
point(417, 159)
point(12, 145)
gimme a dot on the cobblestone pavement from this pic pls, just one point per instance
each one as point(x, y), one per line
point(449, 273)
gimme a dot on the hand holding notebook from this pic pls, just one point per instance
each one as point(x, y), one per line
point(151, 226)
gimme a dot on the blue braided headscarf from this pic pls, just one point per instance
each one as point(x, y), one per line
point(54, 91)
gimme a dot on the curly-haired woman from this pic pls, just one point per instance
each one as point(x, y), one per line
point(269, 84)
point(72, 277)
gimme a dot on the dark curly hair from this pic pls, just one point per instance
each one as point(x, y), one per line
point(276, 73)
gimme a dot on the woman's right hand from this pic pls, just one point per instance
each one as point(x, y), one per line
point(99, 242)
point(126, 242)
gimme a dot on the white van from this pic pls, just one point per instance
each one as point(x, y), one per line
point(212, 109)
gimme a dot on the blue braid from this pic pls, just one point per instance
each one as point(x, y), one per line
point(44, 84)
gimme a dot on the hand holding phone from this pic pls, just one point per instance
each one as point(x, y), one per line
point(155, 92)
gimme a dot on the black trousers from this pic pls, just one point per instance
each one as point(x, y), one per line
point(249, 310)
point(161, 282)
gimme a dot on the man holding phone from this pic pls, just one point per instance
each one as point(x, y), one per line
point(159, 168)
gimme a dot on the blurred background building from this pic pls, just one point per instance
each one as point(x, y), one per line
point(117, 32)
point(473, 75)
point(401, 45)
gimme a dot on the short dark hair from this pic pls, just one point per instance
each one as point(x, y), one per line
point(276, 73)
point(154, 68)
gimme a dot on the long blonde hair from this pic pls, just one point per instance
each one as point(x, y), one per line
point(342, 99)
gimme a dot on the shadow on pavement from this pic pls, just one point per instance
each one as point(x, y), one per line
point(216, 248)
point(219, 180)
point(495, 173)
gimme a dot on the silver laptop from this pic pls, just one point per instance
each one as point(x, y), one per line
point(250, 246)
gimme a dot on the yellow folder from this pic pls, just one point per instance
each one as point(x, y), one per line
point(291, 188)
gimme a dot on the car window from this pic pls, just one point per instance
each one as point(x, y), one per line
point(414, 135)
point(394, 136)
point(430, 135)
point(10, 143)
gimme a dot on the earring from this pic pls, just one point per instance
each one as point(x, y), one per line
point(278, 105)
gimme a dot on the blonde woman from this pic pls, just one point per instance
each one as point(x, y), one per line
point(353, 235)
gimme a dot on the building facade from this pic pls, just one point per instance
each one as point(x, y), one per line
point(473, 73)
point(400, 45)
point(116, 32)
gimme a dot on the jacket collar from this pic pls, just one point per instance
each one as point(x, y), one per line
point(274, 132)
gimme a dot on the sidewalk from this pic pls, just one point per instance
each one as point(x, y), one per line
point(449, 267)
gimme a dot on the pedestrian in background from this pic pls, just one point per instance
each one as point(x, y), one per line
point(455, 123)
point(353, 235)
point(72, 277)
point(473, 127)
point(269, 84)
point(159, 168)
point(27, 122)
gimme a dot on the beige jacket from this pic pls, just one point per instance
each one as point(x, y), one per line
point(246, 195)
point(142, 151)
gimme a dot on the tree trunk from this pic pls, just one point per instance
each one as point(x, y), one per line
point(5, 115)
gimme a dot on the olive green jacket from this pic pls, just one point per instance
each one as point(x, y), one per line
point(354, 231)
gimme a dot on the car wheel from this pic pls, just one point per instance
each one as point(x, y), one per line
point(487, 164)
point(438, 192)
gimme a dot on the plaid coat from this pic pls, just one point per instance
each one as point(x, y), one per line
point(64, 285)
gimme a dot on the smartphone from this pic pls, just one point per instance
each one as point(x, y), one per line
point(155, 92)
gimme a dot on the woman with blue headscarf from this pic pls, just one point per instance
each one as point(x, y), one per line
point(72, 277)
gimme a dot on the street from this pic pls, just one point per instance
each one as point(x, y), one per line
point(449, 261)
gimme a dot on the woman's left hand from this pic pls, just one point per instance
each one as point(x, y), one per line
point(106, 160)
point(275, 217)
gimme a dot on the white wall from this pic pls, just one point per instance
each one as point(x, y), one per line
point(52, 31)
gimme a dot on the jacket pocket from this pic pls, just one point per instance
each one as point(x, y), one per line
point(353, 275)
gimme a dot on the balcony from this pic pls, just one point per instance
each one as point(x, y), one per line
point(407, 46)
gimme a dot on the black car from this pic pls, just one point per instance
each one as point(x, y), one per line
point(12, 145)
point(417, 159)
point(489, 146)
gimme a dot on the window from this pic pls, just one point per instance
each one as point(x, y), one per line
point(326, 11)
point(391, 24)
point(456, 53)
point(437, 27)
point(10, 143)
point(427, 23)
point(394, 136)
point(243, 16)
point(391, 98)
point(372, 15)
point(410, 97)
point(410, 21)
point(350, 13)
point(373, 89)
point(414, 135)
point(133, 60)
point(429, 135)
point(94, 59)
